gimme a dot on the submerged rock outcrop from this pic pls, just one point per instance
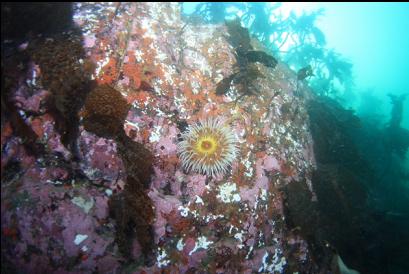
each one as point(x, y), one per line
point(157, 75)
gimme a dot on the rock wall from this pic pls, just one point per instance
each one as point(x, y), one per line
point(55, 210)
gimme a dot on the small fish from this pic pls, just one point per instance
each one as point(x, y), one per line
point(304, 73)
point(262, 57)
point(224, 85)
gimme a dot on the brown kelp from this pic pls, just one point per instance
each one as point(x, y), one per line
point(104, 115)
point(246, 72)
point(66, 73)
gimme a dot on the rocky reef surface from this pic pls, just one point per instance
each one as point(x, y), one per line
point(111, 196)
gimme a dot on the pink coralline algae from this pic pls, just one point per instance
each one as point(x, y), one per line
point(55, 211)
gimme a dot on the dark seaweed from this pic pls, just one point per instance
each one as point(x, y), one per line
point(261, 57)
point(104, 115)
point(239, 38)
point(224, 85)
point(304, 73)
point(66, 78)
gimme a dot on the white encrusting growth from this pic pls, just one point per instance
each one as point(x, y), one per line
point(200, 243)
point(227, 193)
point(79, 238)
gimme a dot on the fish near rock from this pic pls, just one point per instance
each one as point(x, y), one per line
point(305, 72)
point(261, 57)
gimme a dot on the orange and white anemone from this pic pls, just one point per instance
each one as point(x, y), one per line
point(208, 147)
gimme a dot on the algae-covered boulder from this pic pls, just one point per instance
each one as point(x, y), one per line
point(156, 76)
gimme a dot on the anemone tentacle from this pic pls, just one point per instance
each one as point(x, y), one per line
point(208, 147)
